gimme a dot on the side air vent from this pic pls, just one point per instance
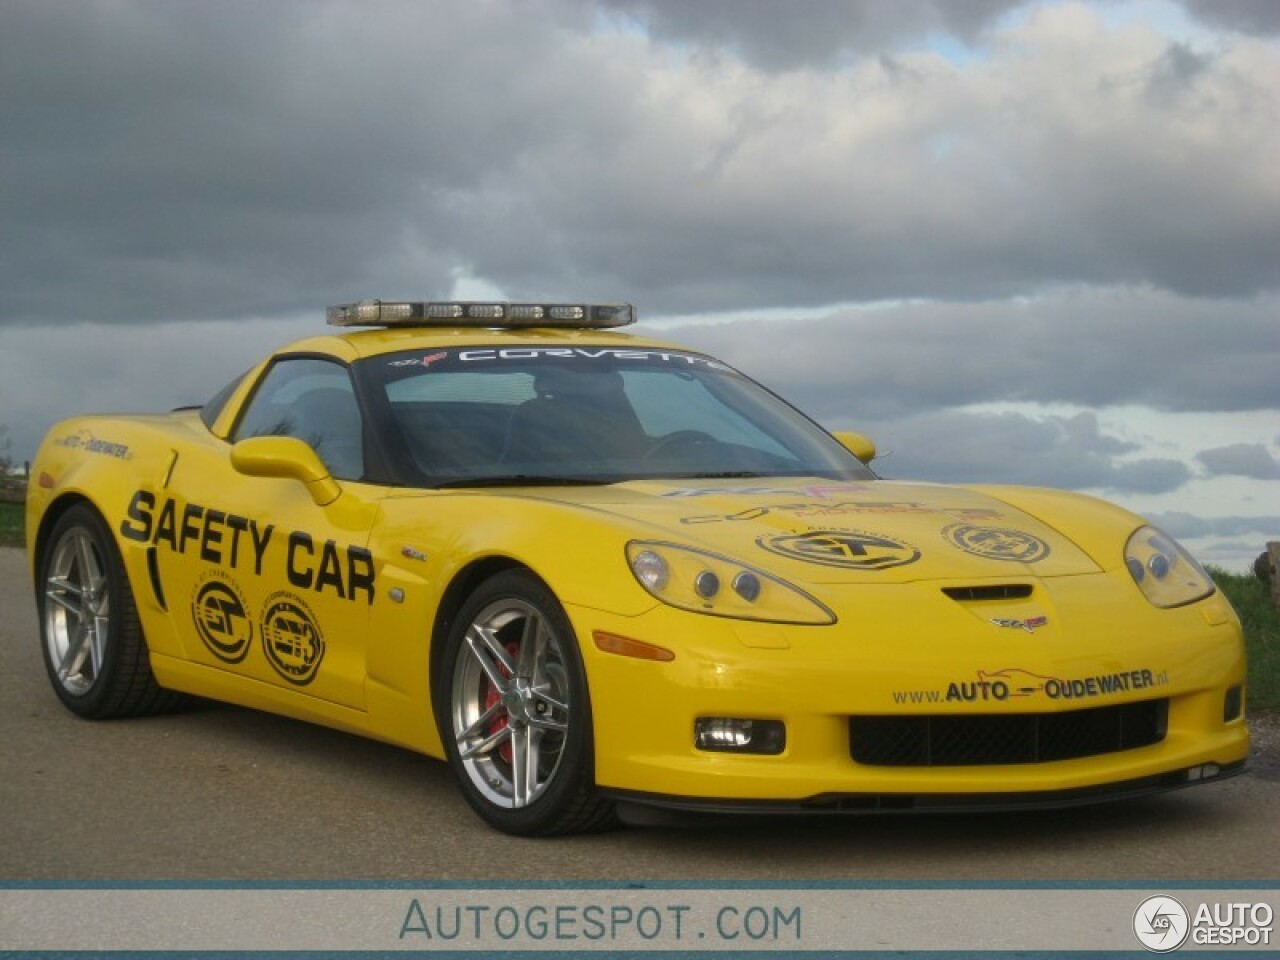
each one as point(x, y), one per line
point(153, 569)
point(997, 591)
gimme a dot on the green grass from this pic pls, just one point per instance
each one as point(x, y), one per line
point(12, 525)
point(1252, 600)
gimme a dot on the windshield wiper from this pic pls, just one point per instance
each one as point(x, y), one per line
point(523, 480)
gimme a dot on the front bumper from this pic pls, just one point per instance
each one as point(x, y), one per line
point(911, 652)
point(639, 808)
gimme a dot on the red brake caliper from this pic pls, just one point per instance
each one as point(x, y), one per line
point(492, 696)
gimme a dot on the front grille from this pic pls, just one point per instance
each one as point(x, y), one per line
point(992, 739)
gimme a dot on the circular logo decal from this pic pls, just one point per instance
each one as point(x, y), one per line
point(222, 620)
point(291, 639)
point(1161, 924)
point(842, 548)
point(997, 543)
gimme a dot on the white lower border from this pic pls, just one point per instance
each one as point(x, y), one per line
point(559, 919)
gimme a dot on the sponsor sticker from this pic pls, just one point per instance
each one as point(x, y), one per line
point(842, 548)
point(87, 442)
point(221, 618)
point(844, 508)
point(997, 543)
point(1012, 682)
point(291, 638)
point(819, 491)
point(423, 361)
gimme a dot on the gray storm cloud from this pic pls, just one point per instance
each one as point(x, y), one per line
point(1186, 525)
point(963, 447)
point(1091, 347)
point(776, 37)
point(957, 203)
point(186, 161)
point(1241, 460)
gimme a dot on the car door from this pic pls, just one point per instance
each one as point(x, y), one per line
point(280, 587)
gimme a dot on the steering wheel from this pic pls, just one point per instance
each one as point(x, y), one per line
point(676, 437)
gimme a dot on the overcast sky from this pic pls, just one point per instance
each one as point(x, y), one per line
point(1026, 242)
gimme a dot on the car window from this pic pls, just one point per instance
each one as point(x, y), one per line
point(589, 414)
point(210, 412)
point(503, 388)
point(311, 400)
point(666, 404)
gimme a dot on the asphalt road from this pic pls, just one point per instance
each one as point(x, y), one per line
point(220, 793)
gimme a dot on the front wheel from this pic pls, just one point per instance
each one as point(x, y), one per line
point(94, 650)
point(514, 712)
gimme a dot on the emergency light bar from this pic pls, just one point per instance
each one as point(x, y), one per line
point(416, 313)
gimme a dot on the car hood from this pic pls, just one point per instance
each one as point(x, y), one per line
point(824, 531)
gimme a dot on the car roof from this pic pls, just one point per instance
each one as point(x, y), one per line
point(375, 342)
point(348, 347)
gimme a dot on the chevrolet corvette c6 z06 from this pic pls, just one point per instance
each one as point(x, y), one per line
point(601, 574)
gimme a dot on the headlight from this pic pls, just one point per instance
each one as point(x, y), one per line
point(1165, 573)
point(708, 583)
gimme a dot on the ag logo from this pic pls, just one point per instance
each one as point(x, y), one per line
point(997, 543)
point(291, 639)
point(1161, 924)
point(842, 548)
point(221, 619)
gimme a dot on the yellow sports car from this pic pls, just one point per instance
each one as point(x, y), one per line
point(601, 574)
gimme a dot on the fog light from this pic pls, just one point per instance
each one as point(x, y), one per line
point(730, 735)
point(1233, 704)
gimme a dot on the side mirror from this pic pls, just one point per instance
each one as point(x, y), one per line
point(863, 448)
point(288, 458)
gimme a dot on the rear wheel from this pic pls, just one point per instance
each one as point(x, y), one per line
point(514, 712)
point(94, 650)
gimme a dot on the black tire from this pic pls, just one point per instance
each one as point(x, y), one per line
point(518, 729)
point(92, 642)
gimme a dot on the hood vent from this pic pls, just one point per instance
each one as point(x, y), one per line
point(998, 591)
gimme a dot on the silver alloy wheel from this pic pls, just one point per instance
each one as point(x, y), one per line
point(77, 611)
point(510, 703)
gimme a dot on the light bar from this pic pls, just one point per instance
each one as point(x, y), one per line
point(417, 313)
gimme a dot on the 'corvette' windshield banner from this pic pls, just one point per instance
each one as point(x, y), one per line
point(455, 359)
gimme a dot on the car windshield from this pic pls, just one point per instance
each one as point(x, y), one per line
point(487, 416)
